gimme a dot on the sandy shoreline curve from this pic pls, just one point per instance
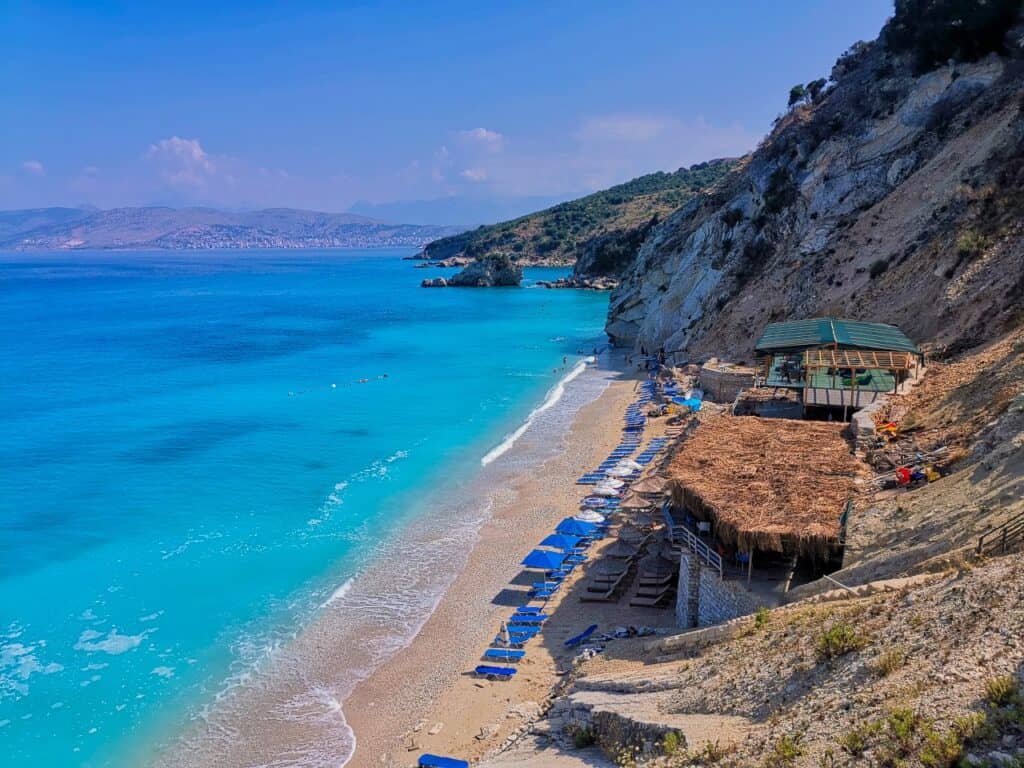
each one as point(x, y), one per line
point(422, 699)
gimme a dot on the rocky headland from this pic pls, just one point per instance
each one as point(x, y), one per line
point(491, 272)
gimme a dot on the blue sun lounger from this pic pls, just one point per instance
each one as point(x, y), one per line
point(577, 639)
point(532, 609)
point(503, 654)
point(529, 618)
point(436, 761)
point(516, 638)
point(523, 629)
point(488, 671)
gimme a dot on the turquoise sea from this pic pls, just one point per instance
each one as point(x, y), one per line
point(200, 450)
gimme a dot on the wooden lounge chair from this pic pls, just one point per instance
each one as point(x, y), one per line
point(603, 593)
point(651, 601)
point(656, 581)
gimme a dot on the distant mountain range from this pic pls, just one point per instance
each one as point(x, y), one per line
point(204, 228)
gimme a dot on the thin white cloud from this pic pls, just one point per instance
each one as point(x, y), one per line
point(474, 174)
point(182, 162)
point(491, 140)
point(625, 128)
point(34, 167)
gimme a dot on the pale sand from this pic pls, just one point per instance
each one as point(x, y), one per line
point(428, 683)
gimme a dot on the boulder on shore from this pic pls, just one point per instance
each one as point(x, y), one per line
point(488, 272)
point(434, 282)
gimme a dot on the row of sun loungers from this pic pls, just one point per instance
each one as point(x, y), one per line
point(571, 539)
point(631, 435)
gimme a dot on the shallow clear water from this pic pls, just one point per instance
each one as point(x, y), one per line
point(198, 450)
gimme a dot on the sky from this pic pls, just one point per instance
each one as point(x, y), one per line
point(450, 110)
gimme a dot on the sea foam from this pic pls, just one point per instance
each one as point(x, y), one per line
point(554, 395)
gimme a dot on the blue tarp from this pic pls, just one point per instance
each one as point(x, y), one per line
point(692, 403)
point(541, 558)
point(571, 527)
point(436, 761)
point(561, 541)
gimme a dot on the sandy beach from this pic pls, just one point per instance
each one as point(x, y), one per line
point(424, 699)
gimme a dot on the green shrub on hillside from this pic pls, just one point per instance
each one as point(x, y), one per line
point(1003, 690)
point(838, 640)
point(970, 244)
point(784, 753)
point(935, 31)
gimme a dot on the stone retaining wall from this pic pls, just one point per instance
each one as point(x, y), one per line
point(722, 385)
point(722, 600)
point(703, 599)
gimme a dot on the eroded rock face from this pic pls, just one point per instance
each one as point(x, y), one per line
point(856, 206)
point(488, 272)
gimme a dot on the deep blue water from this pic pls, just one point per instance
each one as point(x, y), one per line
point(197, 449)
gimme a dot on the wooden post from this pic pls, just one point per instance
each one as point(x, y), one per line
point(750, 566)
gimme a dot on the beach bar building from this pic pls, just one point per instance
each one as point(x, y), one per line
point(756, 506)
point(835, 363)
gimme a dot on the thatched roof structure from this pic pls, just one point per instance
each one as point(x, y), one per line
point(770, 484)
point(652, 485)
point(635, 501)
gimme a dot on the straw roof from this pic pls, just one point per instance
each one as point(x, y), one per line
point(770, 484)
point(635, 501)
point(652, 485)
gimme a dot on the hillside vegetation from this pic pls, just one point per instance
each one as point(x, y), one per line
point(612, 221)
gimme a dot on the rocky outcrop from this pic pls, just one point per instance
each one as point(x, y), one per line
point(892, 197)
point(587, 283)
point(489, 272)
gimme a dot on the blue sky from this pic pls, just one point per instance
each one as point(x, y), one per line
point(324, 105)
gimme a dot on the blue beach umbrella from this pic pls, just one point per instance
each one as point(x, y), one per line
point(540, 558)
point(570, 527)
point(561, 541)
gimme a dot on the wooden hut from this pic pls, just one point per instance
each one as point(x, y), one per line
point(835, 363)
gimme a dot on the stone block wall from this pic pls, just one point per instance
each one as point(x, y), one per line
point(720, 600)
point(723, 384)
point(702, 599)
point(688, 591)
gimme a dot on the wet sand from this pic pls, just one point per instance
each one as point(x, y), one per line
point(424, 699)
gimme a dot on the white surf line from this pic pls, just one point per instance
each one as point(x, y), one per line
point(554, 395)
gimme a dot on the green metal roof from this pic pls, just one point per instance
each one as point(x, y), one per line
point(821, 331)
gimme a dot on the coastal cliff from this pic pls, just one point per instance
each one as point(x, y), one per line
point(890, 191)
